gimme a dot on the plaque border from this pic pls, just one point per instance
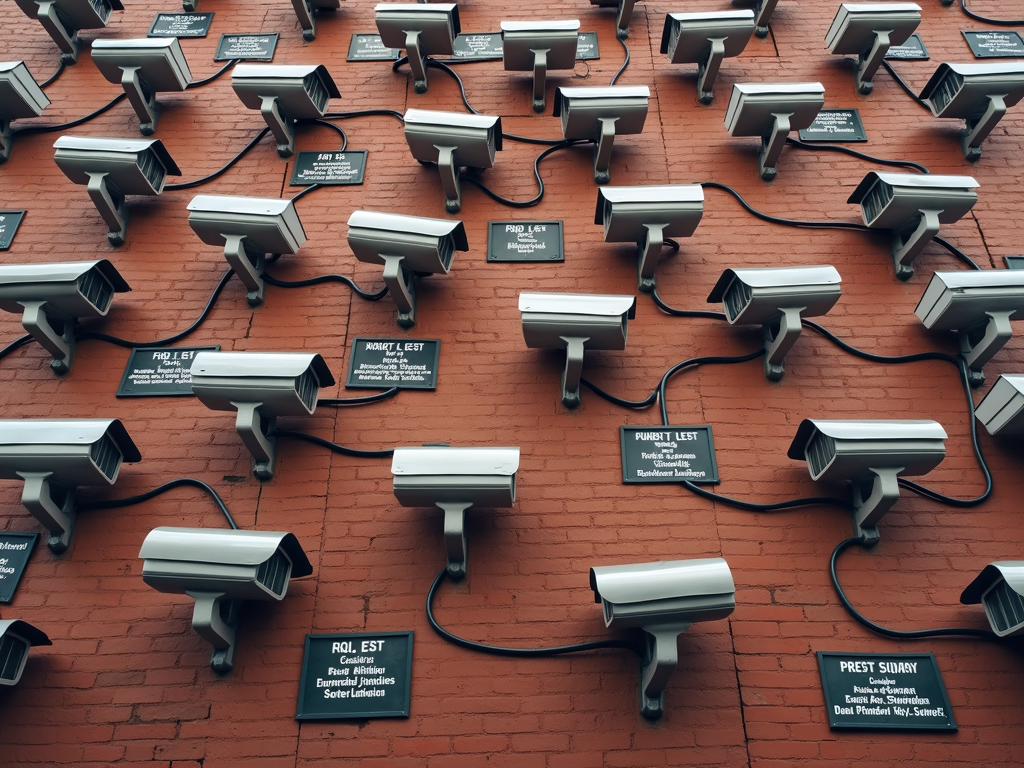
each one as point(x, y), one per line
point(206, 32)
point(493, 259)
point(33, 540)
point(349, 384)
point(292, 182)
point(714, 479)
point(924, 49)
point(275, 35)
point(127, 369)
point(968, 32)
point(17, 226)
point(860, 137)
point(352, 43)
point(1014, 262)
point(597, 48)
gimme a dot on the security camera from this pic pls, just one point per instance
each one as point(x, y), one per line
point(867, 30)
point(539, 46)
point(978, 93)
point(664, 599)
point(705, 39)
point(220, 569)
point(63, 18)
point(1001, 411)
point(647, 216)
point(113, 168)
point(261, 386)
point(20, 96)
point(575, 322)
point(248, 228)
point(776, 298)
point(452, 140)
point(622, 17)
point(599, 114)
point(913, 207)
point(407, 246)
point(979, 307)
point(306, 10)
point(16, 637)
point(871, 455)
point(771, 111)
point(143, 68)
point(455, 479)
point(999, 588)
point(284, 93)
point(422, 30)
point(54, 457)
point(52, 297)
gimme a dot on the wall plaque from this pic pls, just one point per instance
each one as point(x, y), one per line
point(402, 363)
point(1014, 262)
point(835, 125)
point(586, 46)
point(9, 223)
point(482, 46)
point(15, 550)
point(668, 454)
point(329, 168)
point(992, 44)
point(912, 49)
point(370, 48)
point(246, 47)
point(355, 676)
point(525, 241)
point(181, 25)
point(159, 371)
point(884, 690)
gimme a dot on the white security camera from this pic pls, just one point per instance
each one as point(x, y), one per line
point(575, 322)
point(16, 637)
point(284, 93)
point(913, 207)
point(867, 30)
point(622, 16)
point(705, 39)
point(980, 94)
point(261, 386)
point(306, 11)
point(220, 569)
point(63, 18)
point(143, 68)
point(54, 457)
point(776, 298)
point(979, 307)
point(422, 30)
point(1001, 411)
point(452, 140)
point(52, 297)
point(999, 588)
point(871, 455)
point(771, 111)
point(20, 96)
point(113, 168)
point(647, 216)
point(248, 228)
point(664, 599)
point(539, 46)
point(407, 246)
point(455, 479)
point(599, 114)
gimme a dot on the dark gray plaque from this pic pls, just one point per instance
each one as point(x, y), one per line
point(835, 125)
point(402, 363)
point(355, 676)
point(481, 46)
point(370, 48)
point(884, 690)
point(909, 51)
point(995, 44)
point(668, 454)
point(1014, 262)
point(181, 25)
point(336, 168)
point(159, 371)
point(525, 241)
point(9, 223)
point(586, 47)
point(246, 47)
point(15, 550)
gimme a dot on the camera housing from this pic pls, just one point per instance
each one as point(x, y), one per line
point(20, 96)
point(1001, 411)
point(248, 228)
point(776, 298)
point(539, 46)
point(867, 30)
point(647, 216)
point(599, 114)
point(62, 19)
point(664, 599)
point(455, 479)
point(422, 30)
point(16, 637)
point(407, 246)
point(705, 39)
point(1000, 589)
point(220, 569)
point(622, 16)
point(306, 11)
point(54, 457)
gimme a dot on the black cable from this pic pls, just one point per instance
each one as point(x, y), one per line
point(16, 344)
point(225, 168)
point(462, 87)
point(648, 401)
point(326, 279)
point(333, 127)
point(63, 126)
point(625, 62)
point(536, 173)
point(902, 84)
point(862, 155)
point(131, 500)
point(498, 650)
point(897, 634)
point(914, 358)
point(302, 193)
point(997, 22)
point(343, 401)
point(956, 252)
point(750, 506)
point(333, 446)
point(214, 76)
point(693, 361)
point(61, 64)
point(364, 113)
